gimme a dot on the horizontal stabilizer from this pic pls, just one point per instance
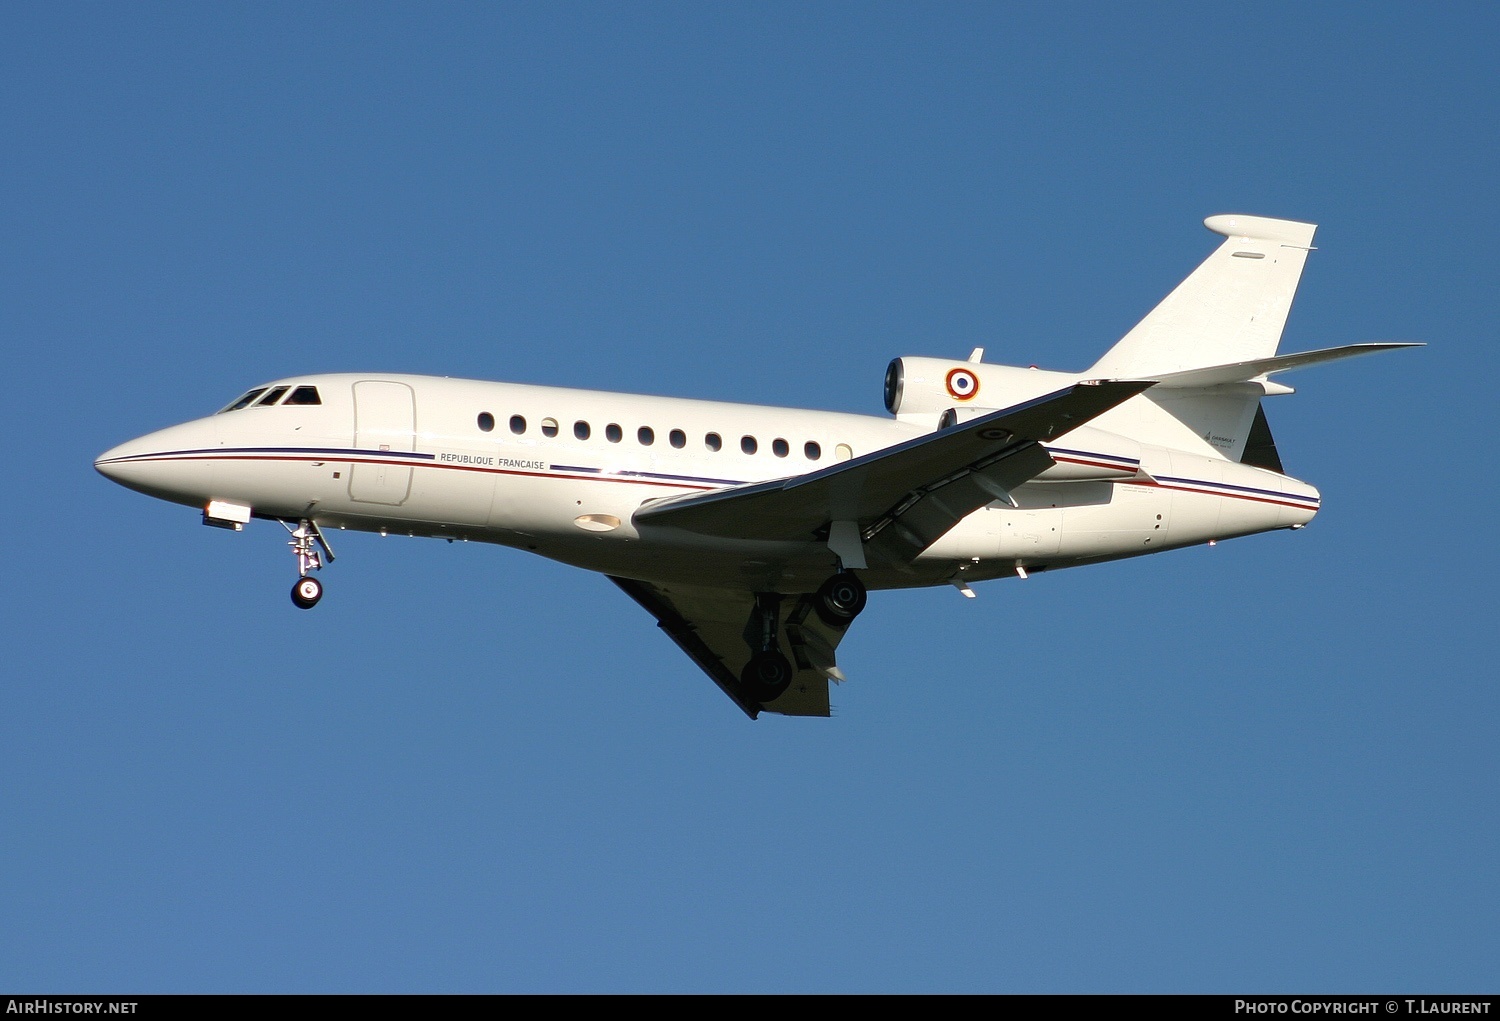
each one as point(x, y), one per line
point(1239, 372)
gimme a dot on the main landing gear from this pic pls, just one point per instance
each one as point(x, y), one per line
point(840, 600)
point(769, 673)
point(311, 548)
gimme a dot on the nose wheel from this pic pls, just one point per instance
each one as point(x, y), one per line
point(311, 548)
point(307, 592)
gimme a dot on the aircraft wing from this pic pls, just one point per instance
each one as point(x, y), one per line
point(905, 497)
point(709, 625)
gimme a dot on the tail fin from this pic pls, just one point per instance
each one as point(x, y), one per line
point(1232, 308)
point(1211, 345)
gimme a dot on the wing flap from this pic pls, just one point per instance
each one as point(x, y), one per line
point(925, 518)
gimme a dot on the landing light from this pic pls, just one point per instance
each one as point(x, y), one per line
point(223, 514)
point(597, 522)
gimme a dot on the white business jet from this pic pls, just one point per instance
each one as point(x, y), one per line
point(753, 533)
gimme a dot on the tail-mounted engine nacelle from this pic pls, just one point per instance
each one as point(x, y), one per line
point(935, 391)
point(931, 386)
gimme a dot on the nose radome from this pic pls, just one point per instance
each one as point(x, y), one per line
point(167, 464)
point(112, 463)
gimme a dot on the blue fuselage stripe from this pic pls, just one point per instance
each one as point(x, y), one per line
point(659, 478)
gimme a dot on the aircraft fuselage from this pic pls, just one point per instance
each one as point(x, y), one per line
point(752, 534)
point(560, 472)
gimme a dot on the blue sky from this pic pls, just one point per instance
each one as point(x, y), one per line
point(1266, 766)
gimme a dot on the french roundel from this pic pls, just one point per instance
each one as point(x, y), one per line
point(962, 384)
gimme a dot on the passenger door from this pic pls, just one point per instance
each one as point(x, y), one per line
point(384, 422)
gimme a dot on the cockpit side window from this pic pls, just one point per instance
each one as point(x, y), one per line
point(305, 395)
point(271, 398)
point(245, 401)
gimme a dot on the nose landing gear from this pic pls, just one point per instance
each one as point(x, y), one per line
point(307, 592)
point(310, 547)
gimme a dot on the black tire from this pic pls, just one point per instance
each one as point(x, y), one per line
point(766, 677)
point(841, 599)
point(307, 592)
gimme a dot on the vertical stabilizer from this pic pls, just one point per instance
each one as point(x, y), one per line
point(1232, 308)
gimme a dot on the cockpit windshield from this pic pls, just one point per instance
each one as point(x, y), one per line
point(265, 397)
point(245, 401)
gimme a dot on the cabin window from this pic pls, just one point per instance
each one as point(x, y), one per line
point(678, 438)
point(486, 421)
point(843, 452)
point(581, 429)
point(779, 447)
point(517, 424)
point(811, 450)
point(272, 397)
point(645, 435)
point(246, 401)
point(305, 395)
point(712, 441)
point(613, 433)
point(748, 444)
point(549, 427)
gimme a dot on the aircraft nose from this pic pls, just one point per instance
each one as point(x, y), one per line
point(112, 464)
point(165, 464)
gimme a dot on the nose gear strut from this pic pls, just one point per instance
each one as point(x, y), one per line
point(311, 548)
